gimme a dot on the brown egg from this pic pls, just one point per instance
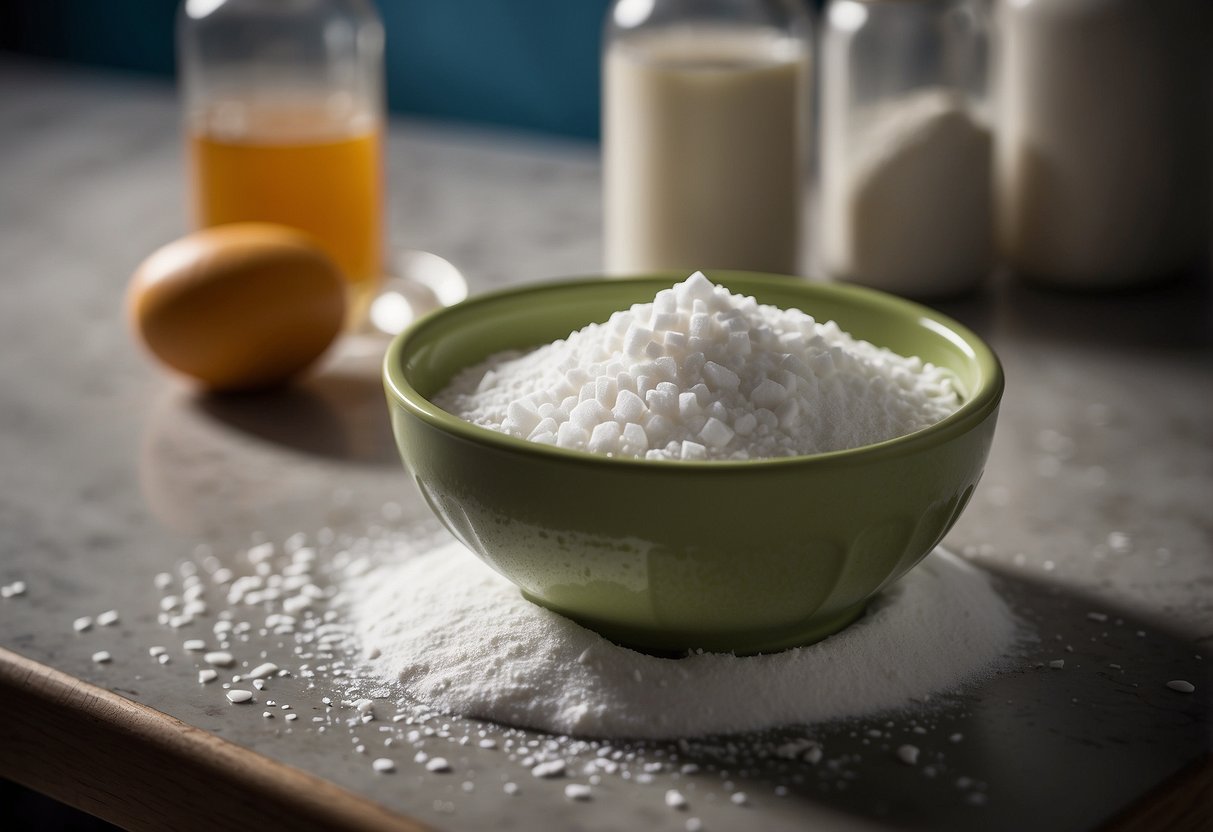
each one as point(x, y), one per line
point(238, 306)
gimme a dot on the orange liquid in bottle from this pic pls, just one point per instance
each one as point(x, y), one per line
point(301, 166)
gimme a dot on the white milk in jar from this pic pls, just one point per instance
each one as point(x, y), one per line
point(704, 133)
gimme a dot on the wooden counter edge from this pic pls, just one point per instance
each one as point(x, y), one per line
point(1182, 803)
point(145, 770)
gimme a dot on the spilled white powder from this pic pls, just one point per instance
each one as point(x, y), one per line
point(262, 670)
point(578, 791)
point(700, 373)
point(107, 618)
point(460, 638)
point(219, 658)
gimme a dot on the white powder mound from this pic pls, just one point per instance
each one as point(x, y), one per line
point(700, 373)
point(460, 638)
point(915, 215)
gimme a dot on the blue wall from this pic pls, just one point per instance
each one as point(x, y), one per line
point(525, 63)
point(531, 64)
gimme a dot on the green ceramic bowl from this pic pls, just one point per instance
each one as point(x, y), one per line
point(749, 557)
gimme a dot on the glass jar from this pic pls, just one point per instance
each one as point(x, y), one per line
point(704, 125)
point(284, 123)
point(1105, 139)
point(906, 201)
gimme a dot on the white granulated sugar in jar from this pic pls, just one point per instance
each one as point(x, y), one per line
point(460, 638)
point(911, 210)
point(700, 373)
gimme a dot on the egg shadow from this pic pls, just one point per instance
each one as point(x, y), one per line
point(337, 415)
point(214, 465)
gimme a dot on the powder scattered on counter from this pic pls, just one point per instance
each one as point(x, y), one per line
point(700, 373)
point(460, 638)
point(578, 791)
point(219, 658)
point(439, 765)
point(108, 618)
point(262, 670)
point(347, 697)
point(555, 768)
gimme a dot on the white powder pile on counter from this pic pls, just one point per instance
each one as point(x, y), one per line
point(460, 638)
point(700, 373)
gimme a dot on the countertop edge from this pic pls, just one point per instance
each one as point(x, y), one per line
point(1181, 803)
point(145, 770)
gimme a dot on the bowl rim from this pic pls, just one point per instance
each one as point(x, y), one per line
point(980, 404)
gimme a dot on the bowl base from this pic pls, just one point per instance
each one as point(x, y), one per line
point(677, 643)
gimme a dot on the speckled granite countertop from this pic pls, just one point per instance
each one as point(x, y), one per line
point(1098, 495)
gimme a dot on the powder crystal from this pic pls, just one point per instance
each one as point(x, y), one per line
point(699, 373)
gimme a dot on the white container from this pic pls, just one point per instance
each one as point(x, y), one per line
point(1103, 157)
point(705, 109)
point(906, 202)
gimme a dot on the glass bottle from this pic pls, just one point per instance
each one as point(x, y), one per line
point(906, 201)
point(705, 113)
point(1105, 139)
point(284, 123)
